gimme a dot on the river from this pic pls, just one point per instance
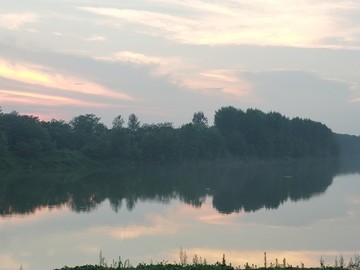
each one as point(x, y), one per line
point(300, 211)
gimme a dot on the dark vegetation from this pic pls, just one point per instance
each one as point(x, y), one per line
point(191, 267)
point(350, 153)
point(349, 144)
point(154, 267)
point(27, 141)
point(199, 263)
point(188, 267)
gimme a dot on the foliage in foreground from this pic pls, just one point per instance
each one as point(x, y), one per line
point(199, 263)
point(187, 267)
point(154, 267)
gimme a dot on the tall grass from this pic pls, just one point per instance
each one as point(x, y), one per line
point(199, 263)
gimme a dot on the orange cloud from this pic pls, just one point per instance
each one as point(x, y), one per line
point(226, 81)
point(25, 74)
point(10, 96)
point(9, 262)
point(34, 74)
point(178, 72)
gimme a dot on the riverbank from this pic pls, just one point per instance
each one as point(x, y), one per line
point(162, 266)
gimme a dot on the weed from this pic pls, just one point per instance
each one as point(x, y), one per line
point(183, 257)
point(354, 263)
point(114, 264)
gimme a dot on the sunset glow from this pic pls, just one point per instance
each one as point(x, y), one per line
point(22, 73)
point(31, 74)
point(111, 111)
point(9, 97)
point(157, 55)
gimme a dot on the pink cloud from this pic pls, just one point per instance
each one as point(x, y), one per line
point(28, 98)
point(259, 22)
point(35, 74)
point(178, 72)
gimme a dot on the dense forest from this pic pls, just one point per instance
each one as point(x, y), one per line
point(25, 139)
point(349, 145)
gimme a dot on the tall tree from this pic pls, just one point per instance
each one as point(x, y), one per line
point(118, 122)
point(133, 122)
point(89, 135)
point(231, 124)
point(228, 119)
point(60, 133)
point(25, 135)
point(199, 119)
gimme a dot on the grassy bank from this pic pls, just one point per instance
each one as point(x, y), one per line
point(181, 267)
point(153, 267)
point(200, 263)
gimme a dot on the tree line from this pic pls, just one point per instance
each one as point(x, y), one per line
point(235, 132)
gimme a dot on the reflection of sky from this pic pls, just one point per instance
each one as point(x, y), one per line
point(302, 231)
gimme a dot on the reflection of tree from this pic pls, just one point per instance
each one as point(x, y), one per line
point(234, 185)
point(349, 164)
point(269, 184)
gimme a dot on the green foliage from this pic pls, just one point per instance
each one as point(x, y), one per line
point(120, 139)
point(349, 145)
point(4, 147)
point(198, 264)
point(133, 122)
point(23, 135)
point(250, 133)
point(89, 136)
point(159, 143)
point(199, 119)
point(87, 133)
point(118, 122)
point(256, 134)
point(60, 133)
point(159, 266)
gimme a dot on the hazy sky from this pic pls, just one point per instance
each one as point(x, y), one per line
point(166, 59)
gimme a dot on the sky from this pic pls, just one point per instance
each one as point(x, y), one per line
point(166, 59)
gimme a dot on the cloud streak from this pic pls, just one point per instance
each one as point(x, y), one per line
point(259, 22)
point(26, 98)
point(14, 21)
point(40, 75)
point(95, 38)
point(187, 75)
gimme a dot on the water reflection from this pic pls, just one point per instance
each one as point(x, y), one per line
point(233, 185)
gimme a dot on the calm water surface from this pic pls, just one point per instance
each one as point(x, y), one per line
point(295, 210)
